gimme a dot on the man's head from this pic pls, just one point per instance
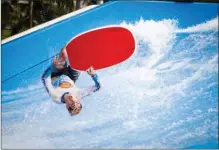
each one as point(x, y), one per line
point(73, 105)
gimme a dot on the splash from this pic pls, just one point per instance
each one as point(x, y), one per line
point(211, 25)
point(154, 37)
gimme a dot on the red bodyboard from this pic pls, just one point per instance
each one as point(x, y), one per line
point(100, 48)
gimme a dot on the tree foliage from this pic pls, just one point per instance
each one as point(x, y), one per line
point(20, 15)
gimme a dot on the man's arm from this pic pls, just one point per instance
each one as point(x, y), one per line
point(46, 78)
point(94, 88)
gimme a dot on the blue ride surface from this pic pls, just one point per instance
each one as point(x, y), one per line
point(165, 96)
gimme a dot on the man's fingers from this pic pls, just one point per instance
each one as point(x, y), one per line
point(90, 70)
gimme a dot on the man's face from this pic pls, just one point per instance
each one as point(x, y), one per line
point(72, 104)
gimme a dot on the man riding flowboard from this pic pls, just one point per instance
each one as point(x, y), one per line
point(59, 80)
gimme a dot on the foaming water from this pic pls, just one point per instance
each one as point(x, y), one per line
point(154, 38)
point(164, 96)
point(211, 25)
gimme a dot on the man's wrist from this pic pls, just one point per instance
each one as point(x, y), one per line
point(93, 75)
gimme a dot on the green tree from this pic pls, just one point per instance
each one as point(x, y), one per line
point(31, 13)
point(20, 15)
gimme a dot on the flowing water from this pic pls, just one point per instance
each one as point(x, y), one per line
point(164, 96)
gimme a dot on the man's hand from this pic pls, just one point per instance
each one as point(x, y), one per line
point(91, 71)
point(59, 62)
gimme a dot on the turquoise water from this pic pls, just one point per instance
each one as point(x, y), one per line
point(164, 96)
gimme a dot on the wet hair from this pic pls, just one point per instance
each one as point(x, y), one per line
point(70, 109)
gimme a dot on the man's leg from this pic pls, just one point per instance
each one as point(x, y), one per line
point(73, 74)
point(58, 72)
